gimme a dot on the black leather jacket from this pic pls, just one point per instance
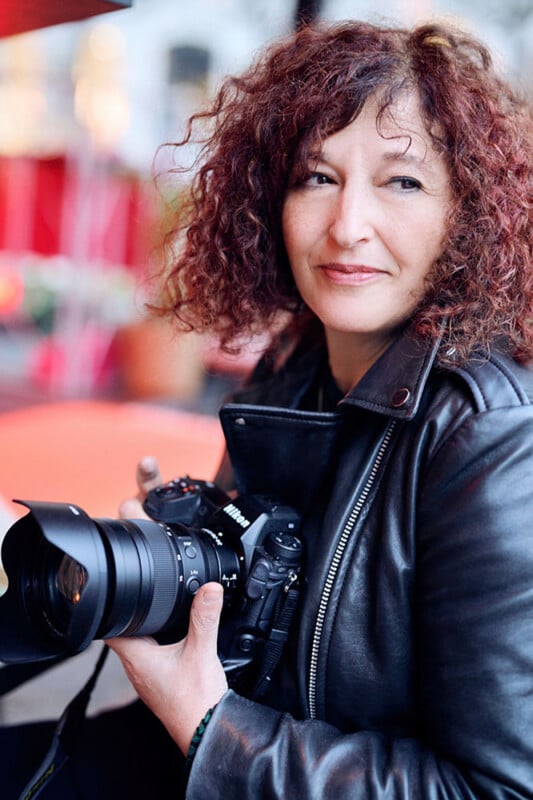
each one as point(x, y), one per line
point(410, 674)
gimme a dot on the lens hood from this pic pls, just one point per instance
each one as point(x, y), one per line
point(24, 636)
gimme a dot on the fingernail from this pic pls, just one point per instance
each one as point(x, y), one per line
point(149, 466)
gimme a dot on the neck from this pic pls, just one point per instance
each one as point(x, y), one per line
point(351, 355)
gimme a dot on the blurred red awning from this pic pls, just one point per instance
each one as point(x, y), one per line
point(26, 15)
point(52, 206)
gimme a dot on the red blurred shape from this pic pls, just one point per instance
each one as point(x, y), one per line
point(55, 206)
point(26, 15)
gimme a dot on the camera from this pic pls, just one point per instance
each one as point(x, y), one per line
point(73, 578)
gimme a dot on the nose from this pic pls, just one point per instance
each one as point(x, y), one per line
point(351, 221)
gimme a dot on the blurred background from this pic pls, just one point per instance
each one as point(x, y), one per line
point(88, 383)
point(85, 105)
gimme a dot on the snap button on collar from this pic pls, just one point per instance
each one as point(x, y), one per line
point(400, 397)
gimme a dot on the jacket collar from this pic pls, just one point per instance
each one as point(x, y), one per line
point(392, 386)
point(395, 383)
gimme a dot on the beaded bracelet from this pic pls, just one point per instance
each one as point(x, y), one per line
point(197, 737)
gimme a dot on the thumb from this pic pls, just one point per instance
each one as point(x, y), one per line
point(205, 616)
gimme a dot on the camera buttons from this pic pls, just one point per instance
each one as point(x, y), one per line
point(193, 584)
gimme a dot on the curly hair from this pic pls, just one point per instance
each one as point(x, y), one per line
point(228, 269)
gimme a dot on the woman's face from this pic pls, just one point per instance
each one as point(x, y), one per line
point(366, 223)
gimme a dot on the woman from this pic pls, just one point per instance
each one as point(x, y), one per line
point(372, 186)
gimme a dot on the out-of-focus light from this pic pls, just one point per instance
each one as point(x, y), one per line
point(22, 95)
point(100, 101)
point(11, 291)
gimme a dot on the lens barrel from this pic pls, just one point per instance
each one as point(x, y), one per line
point(157, 569)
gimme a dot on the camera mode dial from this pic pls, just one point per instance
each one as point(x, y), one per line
point(185, 500)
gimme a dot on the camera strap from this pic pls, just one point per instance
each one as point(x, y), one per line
point(278, 636)
point(65, 736)
point(13, 675)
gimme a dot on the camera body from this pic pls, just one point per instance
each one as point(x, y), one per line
point(73, 579)
point(260, 532)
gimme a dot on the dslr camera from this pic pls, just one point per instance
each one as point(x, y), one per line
point(73, 579)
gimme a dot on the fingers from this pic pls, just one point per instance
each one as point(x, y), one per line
point(132, 509)
point(207, 679)
point(202, 634)
point(205, 617)
point(148, 475)
point(180, 681)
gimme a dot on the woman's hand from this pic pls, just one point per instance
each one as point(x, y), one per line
point(179, 682)
point(148, 477)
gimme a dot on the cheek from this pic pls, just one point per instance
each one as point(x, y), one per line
point(418, 246)
point(438, 227)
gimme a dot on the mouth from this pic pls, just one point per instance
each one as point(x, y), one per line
point(350, 274)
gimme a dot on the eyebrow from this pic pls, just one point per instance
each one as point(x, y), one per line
point(405, 157)
point(390, 156)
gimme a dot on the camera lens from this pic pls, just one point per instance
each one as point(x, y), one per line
point(71, 578)
point(78, 579)
point(155, 570)
point(54, 588)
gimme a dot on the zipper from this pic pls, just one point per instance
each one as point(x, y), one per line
point(334, 568)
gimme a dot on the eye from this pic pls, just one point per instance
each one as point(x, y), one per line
point(317, 179)
point(406, 184)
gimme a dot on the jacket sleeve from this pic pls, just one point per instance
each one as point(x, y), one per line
point(473, 612)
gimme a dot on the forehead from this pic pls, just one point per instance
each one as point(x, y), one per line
point(400, 118)
point(396, 130)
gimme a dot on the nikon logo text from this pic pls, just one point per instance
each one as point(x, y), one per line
point(233, 512)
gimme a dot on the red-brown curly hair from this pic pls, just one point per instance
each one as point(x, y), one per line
point(229, 272)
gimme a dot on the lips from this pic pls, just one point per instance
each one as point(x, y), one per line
point(350, 274)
